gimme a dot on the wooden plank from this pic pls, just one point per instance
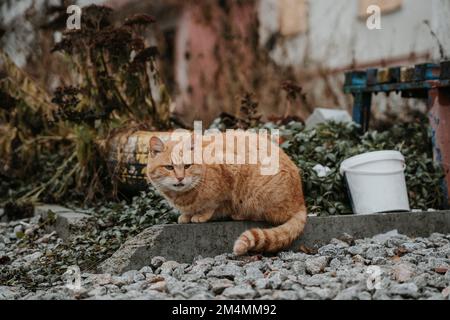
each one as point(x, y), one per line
point(426, 71)
point(383, 75)
point(407, 74)
point(394, 74)
point(445, 70)
point(355, 78)
point(372, 76)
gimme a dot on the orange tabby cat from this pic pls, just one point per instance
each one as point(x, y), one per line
point(204, 192)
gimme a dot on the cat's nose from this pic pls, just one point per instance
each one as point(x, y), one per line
point(180, 179)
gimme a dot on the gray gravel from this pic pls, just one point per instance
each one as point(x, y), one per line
point(387, 266)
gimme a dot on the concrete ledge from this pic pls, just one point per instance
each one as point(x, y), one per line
point(64, 222)
point(184, 242)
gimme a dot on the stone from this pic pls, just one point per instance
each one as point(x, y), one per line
point(383, 237)
point(292, 256)
point(364, 296)
point(359, 259)
point(373, 252)
point(10, 293)
point(319, 293)
point(138, 277)
point(157, 262)
point(99, 279)
point(168, 267)
point(65, 220)
point(341, 243)
point(316, 265)
point(316, 280)
point(97, 292)
point(446, 292)
point(262, 283)
point(298, 267)
point(437, 281)
point(421, 280)
point(146, 269)
point(330, 250)
point(130, 275)
point(18, 230)
point(405, 290)
point(253, 273)
point(159, 286)
point(355, 250)
point(287, 284)
point(403, 272)
point(179, 271)
point(381, 294)
point(226, 271)
point(239, 292)
point(350, 293)
point(276, 278)
point(218, 285)
point(378, 261)
point(32, 257)
point(285, 295)
point(202, 296)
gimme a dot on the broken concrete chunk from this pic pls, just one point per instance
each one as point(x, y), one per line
point(64, 221)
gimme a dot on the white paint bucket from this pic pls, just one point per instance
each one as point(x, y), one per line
point(376, 182)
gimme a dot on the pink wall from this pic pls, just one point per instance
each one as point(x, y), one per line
point(200, 55)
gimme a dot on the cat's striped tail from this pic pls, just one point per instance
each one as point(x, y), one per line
point(273, 239)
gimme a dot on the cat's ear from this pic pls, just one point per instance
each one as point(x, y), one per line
point(156, 146)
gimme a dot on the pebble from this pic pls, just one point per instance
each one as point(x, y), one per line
point(316, 265)
point(405, 290)
point(403, 272)
point(239, 292)
point(156, 262)
point(218, 285)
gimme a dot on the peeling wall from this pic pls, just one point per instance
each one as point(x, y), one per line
point(338, 39)
point(441, 25)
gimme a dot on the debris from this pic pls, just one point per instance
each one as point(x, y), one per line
point(321, 115)
point(321, 170)
point(441, 270)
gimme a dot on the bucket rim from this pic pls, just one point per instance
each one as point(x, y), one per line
point(368, 157)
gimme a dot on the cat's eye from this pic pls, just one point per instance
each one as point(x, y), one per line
point(169, 167)
point(187, 166)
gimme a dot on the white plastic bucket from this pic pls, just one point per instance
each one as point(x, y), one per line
point(376, 182)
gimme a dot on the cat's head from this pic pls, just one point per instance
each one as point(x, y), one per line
point(166, 169)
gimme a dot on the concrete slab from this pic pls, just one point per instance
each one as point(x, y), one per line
point(65, 220)
point(45, 208)
point(184, 242)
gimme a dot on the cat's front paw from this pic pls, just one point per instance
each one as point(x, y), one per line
point(199, 219)
point(184, 218)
